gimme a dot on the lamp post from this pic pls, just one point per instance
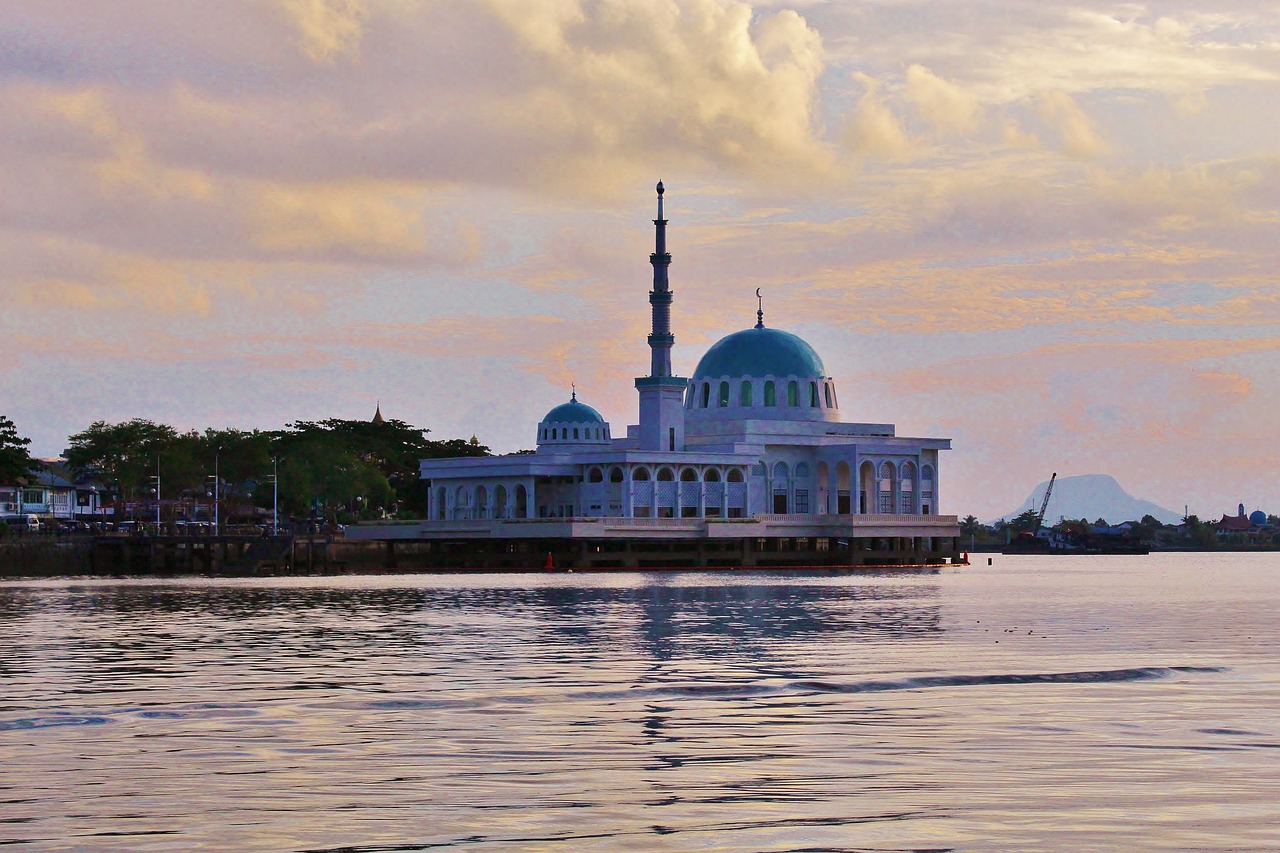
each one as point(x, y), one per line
point(216, 492)
point(157, 493)
point(275, 496)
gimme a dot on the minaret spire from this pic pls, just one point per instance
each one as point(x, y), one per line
point(661, 424)
point(760, 310)
point(660, 339)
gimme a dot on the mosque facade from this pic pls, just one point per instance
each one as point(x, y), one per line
point(746, 462)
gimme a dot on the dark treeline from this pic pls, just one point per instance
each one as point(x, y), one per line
point(333, 469)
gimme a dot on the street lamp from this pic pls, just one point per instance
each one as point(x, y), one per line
point(275, 496)
point(157, 493)
point(216, 492)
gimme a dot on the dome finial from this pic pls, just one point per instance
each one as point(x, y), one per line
point(573, 397)
point(760, 310)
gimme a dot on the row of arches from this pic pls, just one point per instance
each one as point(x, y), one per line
point(744, 394)
point(666, 473)
point(882, 487)
point(481, 501)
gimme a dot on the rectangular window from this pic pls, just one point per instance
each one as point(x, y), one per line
point(886, 503)
point(802, 501)
point(688, 512)
point(671, 438)
point(735, 512)
point(666, 512)
point(712, 512)
point(822, 544)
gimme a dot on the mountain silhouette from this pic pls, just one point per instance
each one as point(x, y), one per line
point(1092, 496)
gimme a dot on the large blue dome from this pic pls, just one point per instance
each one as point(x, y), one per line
point(573, 412)
point(760, 352)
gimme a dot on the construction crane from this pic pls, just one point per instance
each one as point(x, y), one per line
point(1044, 504)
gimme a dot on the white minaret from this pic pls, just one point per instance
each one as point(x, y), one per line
point(661, 394)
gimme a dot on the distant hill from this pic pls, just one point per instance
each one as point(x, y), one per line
point(1092, 496)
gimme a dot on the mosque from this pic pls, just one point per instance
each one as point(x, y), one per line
point(745, 463)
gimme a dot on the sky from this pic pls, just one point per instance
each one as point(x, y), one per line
point(1046, 230)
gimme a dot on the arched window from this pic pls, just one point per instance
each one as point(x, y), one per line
point(706, 394)
point(802, 469)
point(724, 394)
point(886, 489)
point(575, 432)
point(712, 475)
point(770, 394)
point(744, 393)
point(441, 500)
point(555, 433)
point(522, 501)
point(793, 393)
point(595, 475)
point(689, 475)
point(826, 386)
point(640, 474)
point(666, 475)
point(689, 394)
point(615, 476)
point(735, 475)
point(813, 395)
point(500, 502)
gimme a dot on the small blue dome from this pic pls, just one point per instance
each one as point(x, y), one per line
point(573, 412)
point(1258, 517)
point(760, 352)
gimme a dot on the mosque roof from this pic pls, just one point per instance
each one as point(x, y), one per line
point(573, 412)
point(760, 351)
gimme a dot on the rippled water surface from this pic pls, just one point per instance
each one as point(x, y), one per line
point(1040, 703)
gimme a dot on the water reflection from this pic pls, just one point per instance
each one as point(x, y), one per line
point(653, 712)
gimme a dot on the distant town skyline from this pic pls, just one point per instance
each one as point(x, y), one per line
point(1047, 231)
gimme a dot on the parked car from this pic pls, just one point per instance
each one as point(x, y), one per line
point(23, 523)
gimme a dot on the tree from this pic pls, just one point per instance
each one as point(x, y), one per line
point(123, 454)
point(374, 461)
point(15, 462)
point(970, 525)
point(1026, 522)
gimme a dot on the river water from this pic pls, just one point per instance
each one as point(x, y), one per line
point(1041, 703)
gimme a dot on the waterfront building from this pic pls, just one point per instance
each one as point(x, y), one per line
point(745, 462)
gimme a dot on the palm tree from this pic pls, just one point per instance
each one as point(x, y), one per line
point(970, 525)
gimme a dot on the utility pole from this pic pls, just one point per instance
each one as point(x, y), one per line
point(157, 492)
point(275, 496)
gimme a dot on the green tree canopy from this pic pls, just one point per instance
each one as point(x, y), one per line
point(124, 454)
point(15, 461)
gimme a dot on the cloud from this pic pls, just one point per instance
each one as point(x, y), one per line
point(875, 131)
point(328, 28)
point(941, 103)
point(1079, 136)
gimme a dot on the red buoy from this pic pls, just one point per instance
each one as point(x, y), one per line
point(551, 563)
